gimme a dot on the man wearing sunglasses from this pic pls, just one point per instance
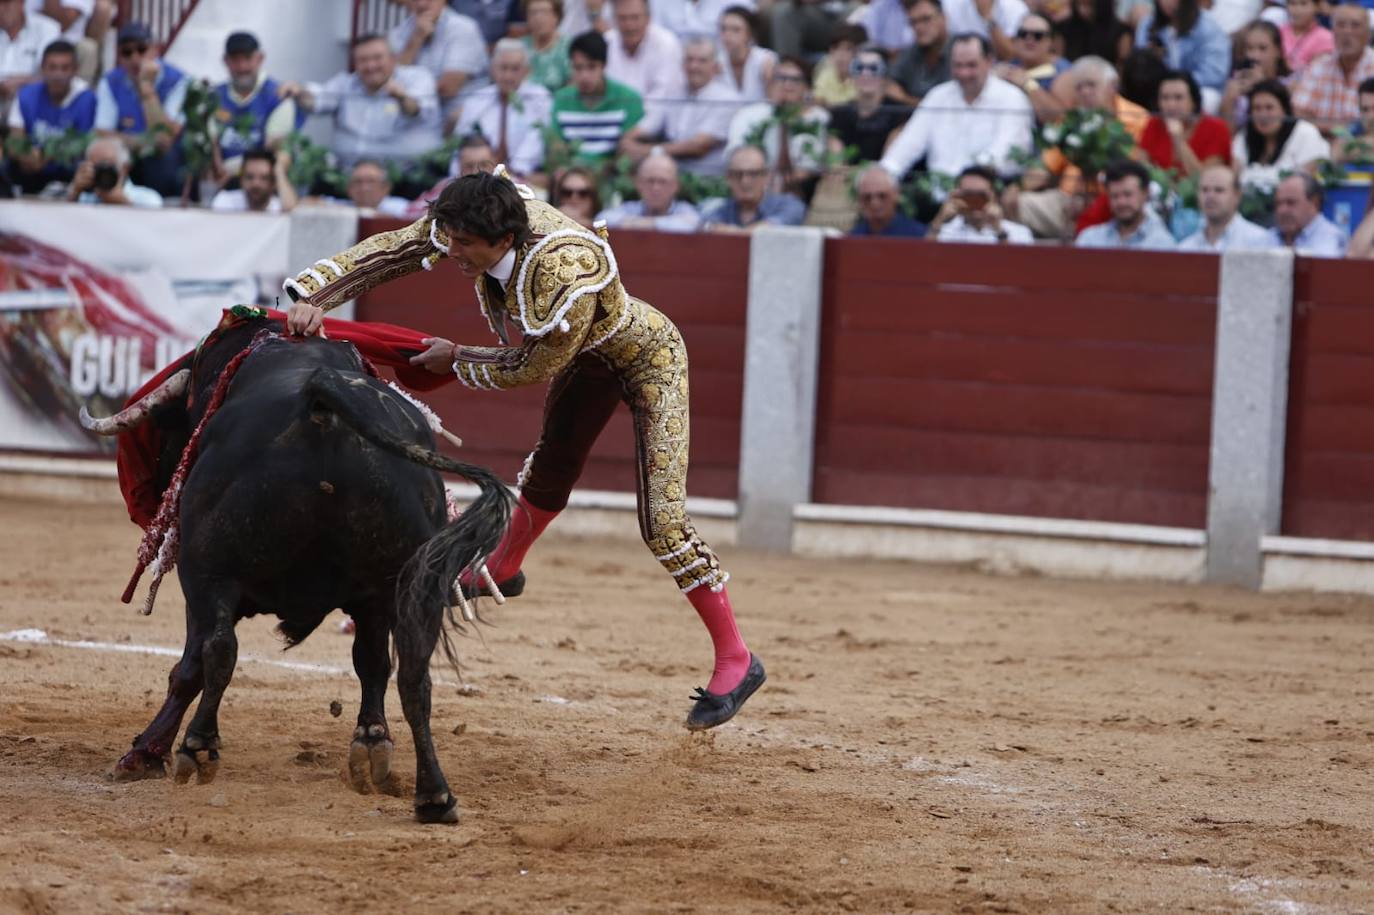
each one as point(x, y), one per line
point(867, 124)
point(144, 94)
point(1035, 66)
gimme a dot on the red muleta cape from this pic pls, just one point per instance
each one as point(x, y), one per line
point(138, 448)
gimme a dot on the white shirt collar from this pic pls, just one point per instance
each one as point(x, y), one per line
point(501, 271)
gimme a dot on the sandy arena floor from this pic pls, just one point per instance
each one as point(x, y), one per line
point(930, 740)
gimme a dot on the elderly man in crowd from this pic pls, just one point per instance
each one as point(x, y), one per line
point(263, 185)
point(61, 101)
point(878, 213)
point(253, 115)
point(644, 55)
point(971, 213)
point(750, 205)
point(103, 177)
point(144, 93)
point(658, 206)
point(511, 112)
point(1298, 220)
point(1133, 223)
point(1218, 194)
point(594, 112)
point(23, 36)
point(693, 131)
point(1326, 93)
point(381, 110)
point(975, 118)
point(447, 45)
point(790, 129)
point(924, 64)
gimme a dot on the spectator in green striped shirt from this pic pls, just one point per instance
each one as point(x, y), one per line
point(549, 63)
point(594, 113)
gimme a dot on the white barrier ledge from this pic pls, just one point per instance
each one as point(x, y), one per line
point(94, 467)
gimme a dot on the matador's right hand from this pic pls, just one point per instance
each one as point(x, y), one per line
point(304, 319)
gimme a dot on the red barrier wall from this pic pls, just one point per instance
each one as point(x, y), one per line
point(699, 281)
point(1027, 380)
point(1329, 460)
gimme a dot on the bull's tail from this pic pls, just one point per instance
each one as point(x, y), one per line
point(426, 583)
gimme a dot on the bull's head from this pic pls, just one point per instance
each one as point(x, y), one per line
point(136, 414)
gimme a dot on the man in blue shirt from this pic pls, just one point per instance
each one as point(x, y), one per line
point(252, 113)
point(878, 213)
point(1133, 223)
point(749, 206)
point(140, 94)
point(60, 102)
point(1298, 220)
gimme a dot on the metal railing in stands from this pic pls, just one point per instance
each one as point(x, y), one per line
point(375, 17)
point(164, 18)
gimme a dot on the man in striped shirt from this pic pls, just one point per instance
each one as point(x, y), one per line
point(594, 113)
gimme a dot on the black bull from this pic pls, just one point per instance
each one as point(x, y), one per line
point(316, 487)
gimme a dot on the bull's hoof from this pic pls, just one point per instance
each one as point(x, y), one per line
point(369, 760)
point(137, 765)
point(445, 811)
point(203, 764)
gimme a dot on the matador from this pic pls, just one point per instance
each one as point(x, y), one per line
point(559, 285)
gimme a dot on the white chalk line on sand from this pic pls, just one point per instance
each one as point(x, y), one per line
point(39, 637)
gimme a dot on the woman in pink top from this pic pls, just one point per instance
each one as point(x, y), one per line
point(1303, 38)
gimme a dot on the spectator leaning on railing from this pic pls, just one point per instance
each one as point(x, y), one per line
point(975, 118)
point(263, 185)
point(658, 206)
point(1133, 223)
point(446, 45)
point(594, 113)
point(750, 205)
point(971, 213)
point(1223, 228)
point(1298, 220)
point(694, 130)
point(512, 112)
point(59, 103)
point(144, 93)
point(252, 112)
point(878, 214)
point(103, 177)
point(23, 36)
point(381, 110)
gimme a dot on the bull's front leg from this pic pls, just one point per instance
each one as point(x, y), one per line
point(218, 601)
point(370, 754)
point(147, 758)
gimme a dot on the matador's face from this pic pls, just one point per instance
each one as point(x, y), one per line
point(475, 255)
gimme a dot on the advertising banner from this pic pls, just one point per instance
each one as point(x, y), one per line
point(95, 299)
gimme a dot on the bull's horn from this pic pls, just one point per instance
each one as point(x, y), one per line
point(135, 414)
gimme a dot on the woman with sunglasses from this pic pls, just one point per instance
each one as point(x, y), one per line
point(866, 124)
point(595, 346)
point(576, 195)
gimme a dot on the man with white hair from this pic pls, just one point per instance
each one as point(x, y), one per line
point(103, 177)
point(511, 112)
point(644, 55)
point(975, 118)
point(693, 131)
point(878, 213)
point(658, 206)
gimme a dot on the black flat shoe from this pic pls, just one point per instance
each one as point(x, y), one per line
point(712, 710)
point(511, 587)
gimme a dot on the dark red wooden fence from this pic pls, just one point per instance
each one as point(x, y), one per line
point(1329, 464)
point(1026, 380)
point(699, 281)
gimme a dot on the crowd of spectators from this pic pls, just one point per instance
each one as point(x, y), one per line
point(1161, 124)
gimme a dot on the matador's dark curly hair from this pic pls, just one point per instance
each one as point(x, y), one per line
point(484, 205)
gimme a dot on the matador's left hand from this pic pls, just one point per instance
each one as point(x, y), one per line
point(438, 358)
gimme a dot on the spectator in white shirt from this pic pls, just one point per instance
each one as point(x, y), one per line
point(745, 68)
point(790, 130)
point(1218, 193)
point(85, 24)
point(971, 214)
point(23, 36)
point(1298, 220)
point(380, 110)
point(644, 55)
point(512, 112)
point(975, 118)
point(658, 206)
point(447, 44)
point(695, 130)
point(995, 20)
point(691, 18)
point(263, 186)
point(369, 189)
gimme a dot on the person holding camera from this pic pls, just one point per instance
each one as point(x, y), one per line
point(971, 213)
point(103, 177)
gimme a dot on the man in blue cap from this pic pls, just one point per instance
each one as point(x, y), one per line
point(252, 113)
point(144, 93)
